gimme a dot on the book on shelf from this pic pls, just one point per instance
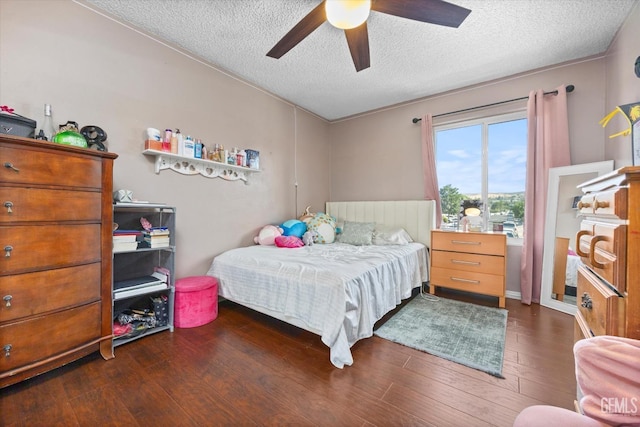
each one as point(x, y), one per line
point(126, 293)
point(156, 281)
point(124, 238)
point(155, 245)
point(156, 231)
point(124, 246)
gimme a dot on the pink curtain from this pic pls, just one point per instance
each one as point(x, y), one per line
point(431, 189)
point(547, 147)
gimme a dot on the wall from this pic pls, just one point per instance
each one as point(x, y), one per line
point(97, 72)
point(377, 156)
point(622, 86)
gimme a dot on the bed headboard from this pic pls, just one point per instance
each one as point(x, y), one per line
point(418, 217)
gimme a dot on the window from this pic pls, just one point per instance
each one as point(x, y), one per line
point(482, 163)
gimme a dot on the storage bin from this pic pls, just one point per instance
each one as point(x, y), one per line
point(196, 301)
point(17, 125)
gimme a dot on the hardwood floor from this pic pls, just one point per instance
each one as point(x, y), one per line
point(248, 369)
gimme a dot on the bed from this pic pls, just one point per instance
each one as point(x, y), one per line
point(337, 291)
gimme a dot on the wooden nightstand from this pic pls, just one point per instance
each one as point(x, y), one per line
point(467, 261)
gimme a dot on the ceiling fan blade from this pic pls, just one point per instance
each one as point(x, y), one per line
point(358, 40)
point(306, 26)
point(432, 11)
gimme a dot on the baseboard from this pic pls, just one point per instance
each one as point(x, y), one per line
point(513, 295)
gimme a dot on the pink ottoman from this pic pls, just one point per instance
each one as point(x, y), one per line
point(196, 302)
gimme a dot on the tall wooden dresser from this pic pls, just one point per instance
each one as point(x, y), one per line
point(56, 224)
point(609, 245)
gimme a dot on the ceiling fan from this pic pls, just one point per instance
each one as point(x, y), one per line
point(437, 12)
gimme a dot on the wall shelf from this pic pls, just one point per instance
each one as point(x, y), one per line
point(206, 168)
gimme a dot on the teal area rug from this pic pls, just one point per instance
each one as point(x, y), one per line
point(468, 334)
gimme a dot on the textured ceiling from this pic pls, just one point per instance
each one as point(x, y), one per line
point(409, 59)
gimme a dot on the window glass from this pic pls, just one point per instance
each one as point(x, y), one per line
point(481, 167)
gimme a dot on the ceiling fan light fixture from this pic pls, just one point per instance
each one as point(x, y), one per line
point(347, 14)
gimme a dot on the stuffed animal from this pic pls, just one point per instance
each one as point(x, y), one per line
point(309, 237)
point(325, 226)
point(267, 235)
point(306, 215)
point(293, 227)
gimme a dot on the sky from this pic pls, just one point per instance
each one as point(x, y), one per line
point(459, 154)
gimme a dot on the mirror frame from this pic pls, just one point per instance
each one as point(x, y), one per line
point(555, 174)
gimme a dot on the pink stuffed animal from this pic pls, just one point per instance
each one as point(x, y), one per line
point(267, 235)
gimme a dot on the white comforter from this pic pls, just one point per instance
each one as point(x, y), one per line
point(338, 291)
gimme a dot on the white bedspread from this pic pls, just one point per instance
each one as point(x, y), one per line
point(337, 291)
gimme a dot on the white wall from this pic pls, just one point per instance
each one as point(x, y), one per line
point(622, 87)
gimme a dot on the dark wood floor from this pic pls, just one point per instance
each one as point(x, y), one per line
point(248, 369)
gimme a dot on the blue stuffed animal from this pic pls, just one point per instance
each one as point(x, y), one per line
point(293, 227)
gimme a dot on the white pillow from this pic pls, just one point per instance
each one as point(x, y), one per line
point(391, 236)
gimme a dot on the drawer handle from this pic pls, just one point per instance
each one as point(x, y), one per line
point(8, 205)
point(457, 279)
point(459, 261)
point(586, 301)
point(603, 204)
point(464, 242)
point(582, 204)
point(592, 251)
point(578, 236)
point(7, 251)
point(9, 165)
point(7, 299)
point(7, 350)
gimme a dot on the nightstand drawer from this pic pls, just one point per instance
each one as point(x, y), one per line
point(461, 261)
point(488, 284)
point(477, 243)
point(601, 308)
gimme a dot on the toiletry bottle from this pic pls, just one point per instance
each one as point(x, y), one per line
point(166, 142)
point(180, 141)
point(188, 147)
point(197, 149)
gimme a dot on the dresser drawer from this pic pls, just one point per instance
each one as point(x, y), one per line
point(602, 308)
point(36, 247)
point(610, 204)
point(36, 204)
point(468, 262)
point(36, 293)
point(580, 328)
point(26, 165)
point(41, 337)
point(478, 243)
point(602, 247)
point(489, 284)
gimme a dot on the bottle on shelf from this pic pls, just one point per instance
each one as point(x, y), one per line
point(48, 129)
point(180, 141)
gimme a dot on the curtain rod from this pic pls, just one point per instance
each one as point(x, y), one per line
point(570, 88)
